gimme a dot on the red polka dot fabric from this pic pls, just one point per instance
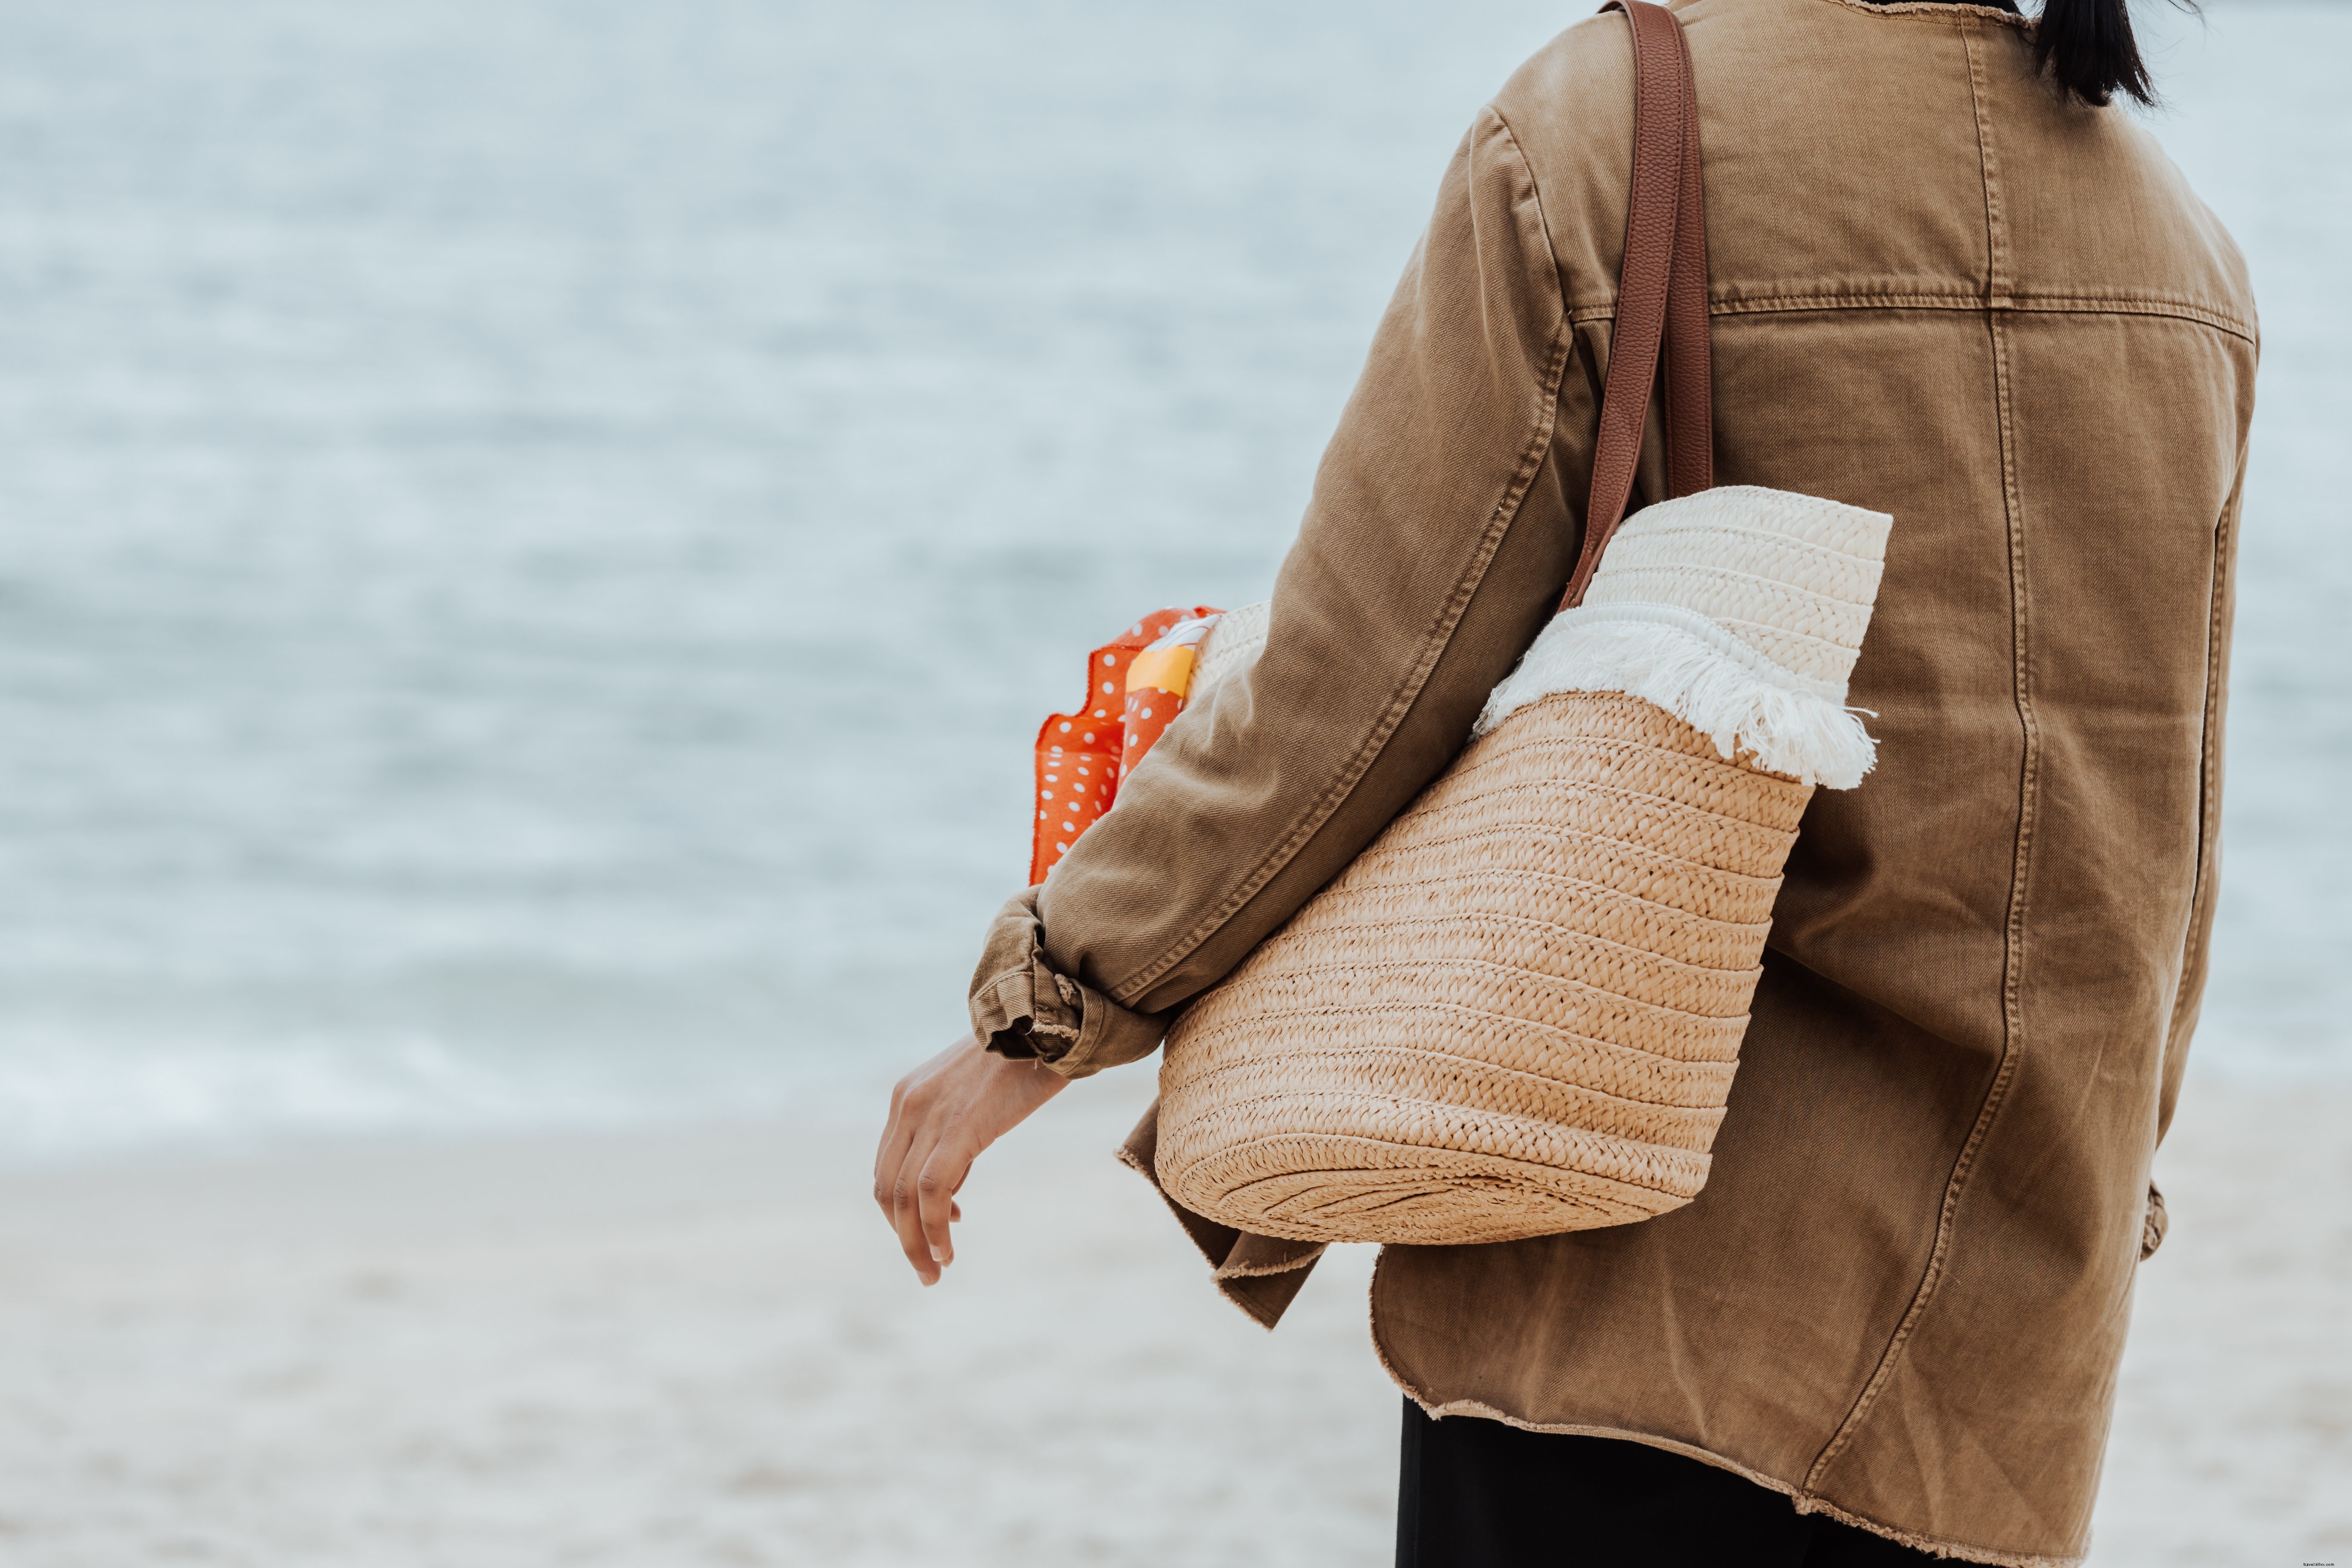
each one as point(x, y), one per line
point(1083, 757)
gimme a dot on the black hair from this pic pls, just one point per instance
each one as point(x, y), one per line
point(2088, 47)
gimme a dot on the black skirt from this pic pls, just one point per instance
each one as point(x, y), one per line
point(1479, 1494)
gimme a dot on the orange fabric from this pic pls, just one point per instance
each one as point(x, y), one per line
point(1082, 756)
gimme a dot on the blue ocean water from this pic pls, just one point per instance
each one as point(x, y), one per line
point(536, 534)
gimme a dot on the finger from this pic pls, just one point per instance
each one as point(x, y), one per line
point(955, 1211)
point(892, 1151)
point(935, 1191)
point(906, 1211)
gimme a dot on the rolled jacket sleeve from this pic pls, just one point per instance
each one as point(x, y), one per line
point(1445, 516)
point(1023, 1007)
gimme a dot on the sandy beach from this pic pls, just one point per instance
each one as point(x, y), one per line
point(699, 1347)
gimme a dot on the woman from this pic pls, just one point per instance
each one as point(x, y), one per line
point(1949, 284)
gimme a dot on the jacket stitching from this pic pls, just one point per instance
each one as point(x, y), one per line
point(2012, 1019)
point(2125, 304)
point(1940, 1546)
point(1434, 641)
point(2208, 783)
point(1936, 10)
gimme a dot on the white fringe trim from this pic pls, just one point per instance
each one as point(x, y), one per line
point(1690, 665)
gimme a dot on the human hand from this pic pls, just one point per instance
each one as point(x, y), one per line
point(941, 1116)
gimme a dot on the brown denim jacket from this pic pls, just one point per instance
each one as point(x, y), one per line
point(1940, 292)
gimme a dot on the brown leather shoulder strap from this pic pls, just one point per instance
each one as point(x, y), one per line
point(1661, 292)
point(1690, 362)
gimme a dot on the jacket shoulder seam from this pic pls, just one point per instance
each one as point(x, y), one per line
point(1938, 11)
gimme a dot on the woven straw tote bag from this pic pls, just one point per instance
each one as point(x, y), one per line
point(1518, 1011)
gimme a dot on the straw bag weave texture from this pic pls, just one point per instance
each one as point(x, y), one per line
point(1518, 1012)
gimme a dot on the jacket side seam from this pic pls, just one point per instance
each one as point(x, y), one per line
point(1433, 642)
point(2028, 768)
point(2209, 772)
point(2209, 785)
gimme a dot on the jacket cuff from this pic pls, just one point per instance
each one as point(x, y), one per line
point(1023, 1007)
point(2153, 1225)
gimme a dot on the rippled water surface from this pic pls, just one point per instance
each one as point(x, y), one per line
point(536, 533)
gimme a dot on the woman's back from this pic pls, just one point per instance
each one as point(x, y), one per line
point(1941, 291)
